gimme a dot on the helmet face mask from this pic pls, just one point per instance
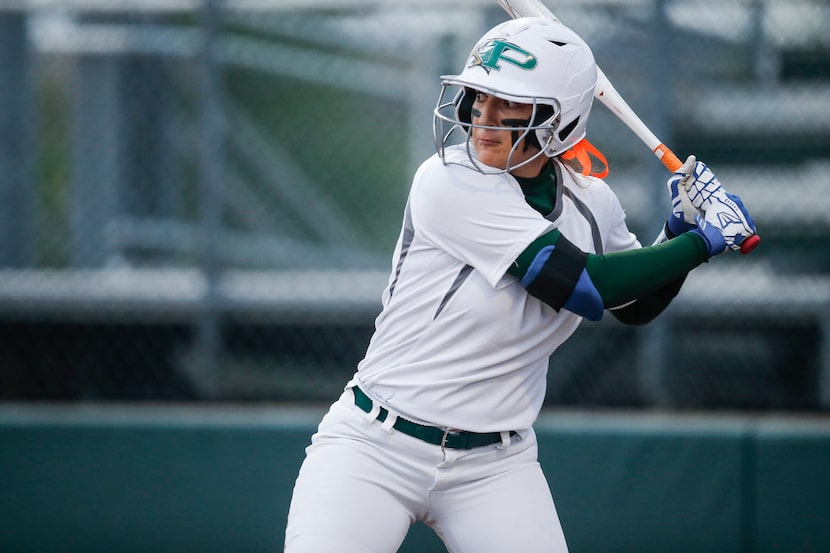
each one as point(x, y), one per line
point(455, 117)
point(528, 61)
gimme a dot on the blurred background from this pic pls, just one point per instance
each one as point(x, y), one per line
point(199, 199)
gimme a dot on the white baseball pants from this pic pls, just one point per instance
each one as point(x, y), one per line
point(363, 484)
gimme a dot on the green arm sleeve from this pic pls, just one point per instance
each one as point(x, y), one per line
point(624, 276)
point(621, 277)
point(646, 308)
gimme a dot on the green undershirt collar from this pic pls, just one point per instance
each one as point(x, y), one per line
point(540, 191)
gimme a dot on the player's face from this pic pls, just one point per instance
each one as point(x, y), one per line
point(493, 146)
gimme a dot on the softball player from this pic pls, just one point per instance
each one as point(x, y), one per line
point(504, 249)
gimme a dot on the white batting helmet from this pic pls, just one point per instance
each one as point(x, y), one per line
point(530, 61)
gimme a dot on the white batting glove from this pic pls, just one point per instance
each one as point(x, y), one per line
point(725, 223)
point(683, 213)
point(723, 213)
point(701, 185)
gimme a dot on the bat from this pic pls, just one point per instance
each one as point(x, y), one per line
point(610, 98)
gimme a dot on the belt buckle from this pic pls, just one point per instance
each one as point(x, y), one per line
point(445, 437)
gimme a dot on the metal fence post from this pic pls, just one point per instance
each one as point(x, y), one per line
point(654, 338)
point(762, 55)
point(211, 170)
point(422, 92)
point(824, 356)
point(98, 140)
point(15, 190)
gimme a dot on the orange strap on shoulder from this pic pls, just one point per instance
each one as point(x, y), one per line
point(585, 158)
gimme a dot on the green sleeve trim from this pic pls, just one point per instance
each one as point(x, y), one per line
point(519, 267)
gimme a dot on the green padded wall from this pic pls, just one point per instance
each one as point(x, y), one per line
point(635, 484)
point(177, 479)
point(792, 486)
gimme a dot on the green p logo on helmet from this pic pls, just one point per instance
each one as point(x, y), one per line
point(489, 55)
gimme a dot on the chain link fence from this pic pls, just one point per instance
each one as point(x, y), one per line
point(199, 200)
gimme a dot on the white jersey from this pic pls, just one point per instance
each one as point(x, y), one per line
point(459, 343)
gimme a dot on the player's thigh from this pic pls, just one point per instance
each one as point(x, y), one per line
point(511, 511)
point(348, 496)
point(335, 508)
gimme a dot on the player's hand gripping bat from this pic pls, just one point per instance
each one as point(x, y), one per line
point(608, 95)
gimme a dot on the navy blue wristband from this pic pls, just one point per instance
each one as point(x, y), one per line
point(677, 226)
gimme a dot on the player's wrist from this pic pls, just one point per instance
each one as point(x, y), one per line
point(675, 226)
point(712, 237)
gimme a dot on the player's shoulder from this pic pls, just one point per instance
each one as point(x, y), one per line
point(454, 168)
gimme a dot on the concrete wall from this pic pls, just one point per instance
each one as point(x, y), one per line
point(202, 479)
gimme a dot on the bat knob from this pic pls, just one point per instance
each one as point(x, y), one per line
point(750, 244)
